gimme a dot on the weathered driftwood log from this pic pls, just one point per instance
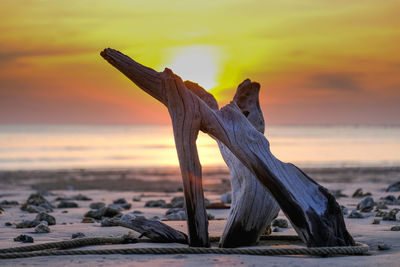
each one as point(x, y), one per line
point(312, 210)
point(253, 208)
point(154, 230)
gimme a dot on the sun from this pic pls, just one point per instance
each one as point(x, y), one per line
point(199, 64)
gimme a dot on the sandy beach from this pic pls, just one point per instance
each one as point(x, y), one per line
point(163, 184)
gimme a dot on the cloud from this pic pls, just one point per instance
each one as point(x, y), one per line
point(335, 81)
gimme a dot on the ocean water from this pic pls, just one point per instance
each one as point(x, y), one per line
point(24, 147)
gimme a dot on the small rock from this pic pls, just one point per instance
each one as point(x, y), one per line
point(383, 246)
point(345, 210)
point(355, 215)
point(120, 201)
point(391, 215)
point(395, 228)
point(179, 215)
point(77, 235)
point(8, 224)
point(227, 197)
point(97, 205)
point(380, 213)
point(109, 211)
point(27, 224)
point(281, 223)
point(136, 199)
point(81, 198)
point(38, 201)
point(393, 187)
point(359, 193)
point(9, 203)
point(178, 202)
point(64, 211)
point(390, 200)
point(210, 216)
point(381, 206)
point(108, 222)
point(155, 203)
point(67, 204)
point(24, 239)
point(155, 218)
point(87, 220)
point(42, 227)
point(45, 217)
point(376, 221)
point(276, 229)
point(137, 212)
point(366, 205)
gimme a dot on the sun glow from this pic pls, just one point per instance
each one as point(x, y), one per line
point(200, 64)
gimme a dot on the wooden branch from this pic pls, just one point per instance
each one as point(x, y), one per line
point(155, 230)
point(253, 208)
point(313, 212)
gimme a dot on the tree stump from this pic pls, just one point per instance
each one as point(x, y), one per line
point(312, 210)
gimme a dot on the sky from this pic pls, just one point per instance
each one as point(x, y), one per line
point(318, 62)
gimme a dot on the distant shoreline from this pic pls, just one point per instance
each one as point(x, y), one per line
point(168, 179)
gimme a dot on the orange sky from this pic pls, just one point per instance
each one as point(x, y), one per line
point(318, 62)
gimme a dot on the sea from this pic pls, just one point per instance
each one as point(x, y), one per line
point(45, 147)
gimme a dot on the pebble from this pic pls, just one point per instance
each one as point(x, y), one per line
point(276, 229)
point(42, 227)
point(390, 200)
point(27, 224)
point(395, 228)
point(45, 217)
point(179, 215)
point(137, 212)
point(67, 204)
point(24, 239)
point(381, 206)
point(155, 203)
point(391, 215)
point(81, 198)
point(37, 203)
point(103, 212)
point(77, 235)
point(359, 193)
point(9, 203)
point(383, 246)
point(8, 224)
point(120, 201)
point(97, 205)
point(366, 205)
point(281, 223)
point(227, 197)
point(376, 221)
point(108, 222)
point(394, 187)
point(87, 220)
point(210, 216)
point(178, 202)
point(136, 199)
point(355, 215)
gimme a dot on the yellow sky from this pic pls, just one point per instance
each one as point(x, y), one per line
point(318, 62)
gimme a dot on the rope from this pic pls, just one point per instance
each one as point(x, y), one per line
point(31, 251)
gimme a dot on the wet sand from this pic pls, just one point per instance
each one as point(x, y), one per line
point(154, 184)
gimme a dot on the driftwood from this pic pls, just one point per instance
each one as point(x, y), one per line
point(253, 208)
point(312, 210)
point(154, 230)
